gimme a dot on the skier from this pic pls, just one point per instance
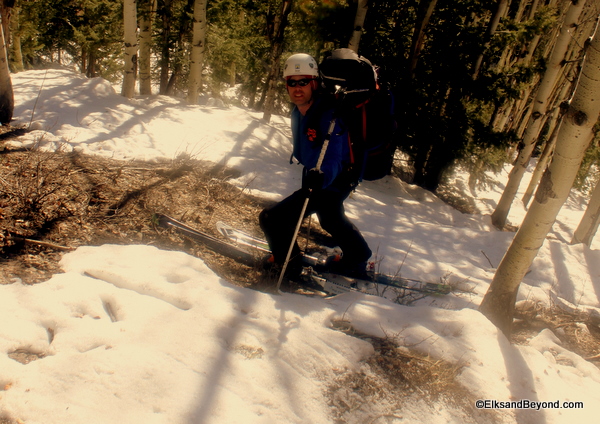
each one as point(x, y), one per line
point(327, 187)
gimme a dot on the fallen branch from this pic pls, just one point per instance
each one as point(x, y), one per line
point(41, 243)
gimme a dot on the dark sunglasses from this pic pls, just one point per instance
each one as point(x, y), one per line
point(301, 82)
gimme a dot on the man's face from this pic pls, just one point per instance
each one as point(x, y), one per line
point(300, 95)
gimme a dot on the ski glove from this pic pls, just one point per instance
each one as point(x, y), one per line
point(313, 180)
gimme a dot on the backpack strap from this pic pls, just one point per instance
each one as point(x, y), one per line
point(350, 149)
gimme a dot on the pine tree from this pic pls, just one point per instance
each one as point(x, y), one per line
point(276, 37)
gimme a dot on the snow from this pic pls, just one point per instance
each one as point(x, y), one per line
point(138, 335)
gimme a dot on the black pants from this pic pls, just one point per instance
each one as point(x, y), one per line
point(279, 222)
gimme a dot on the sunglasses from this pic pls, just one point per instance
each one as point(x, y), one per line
point(301, 82)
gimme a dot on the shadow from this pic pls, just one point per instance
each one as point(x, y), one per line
point(246, 301)
point(72, 105)
point(566, 288)
point(521, 382)
point(12, 133)
point(592, 259)
point(240, 140)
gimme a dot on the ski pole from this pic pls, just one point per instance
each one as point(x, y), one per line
point(303, 211)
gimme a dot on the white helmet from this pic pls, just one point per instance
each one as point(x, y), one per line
point(300, 64)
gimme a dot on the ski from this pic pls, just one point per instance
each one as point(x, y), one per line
point(314, 278)
point(234, 251)
point(222, 247)
point(241, 238)
point(332, 282)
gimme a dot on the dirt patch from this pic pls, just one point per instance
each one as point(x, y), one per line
point(54, 202)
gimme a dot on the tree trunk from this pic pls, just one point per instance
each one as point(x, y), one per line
point(359, 21)
point(586, 230)
point(573, 139)
point(499, 14)
point(16, 55)
point(165, 58)
point(131, 47)
point(6, 7)
point(90, 67)
point(546, 155)
point(426, 8)
point(7, 100)
point(276, 49)
point(540, 106)
point(197, 56)
point(542, 164)
point(147, 11)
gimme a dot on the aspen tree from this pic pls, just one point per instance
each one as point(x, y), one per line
point(426, 9)
point(131, 47)
point(198, 47)
point(359, 21)
point(573, 139)
point(147, 11)
point(588, 226)
point(539, 110)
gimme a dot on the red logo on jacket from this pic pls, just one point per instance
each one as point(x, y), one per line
point(312, 134)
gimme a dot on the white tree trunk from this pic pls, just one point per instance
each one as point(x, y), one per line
point(418, 39)
point(540, 107)
point(359, 21)
point(544, 159)
point(131, 47)
point(501, 9)
point(198, 47)
point(573, 139)
point(147, 10)
point(588, 226)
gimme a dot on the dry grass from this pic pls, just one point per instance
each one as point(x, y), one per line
point(393, 377)
point(53, 202)
point(578, 331)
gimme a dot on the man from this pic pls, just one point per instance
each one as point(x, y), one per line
point(327, 187)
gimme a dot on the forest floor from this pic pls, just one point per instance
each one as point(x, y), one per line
point(53, 202)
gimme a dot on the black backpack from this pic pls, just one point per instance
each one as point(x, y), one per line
point(367, 110)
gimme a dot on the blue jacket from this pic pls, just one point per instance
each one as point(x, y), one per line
point(308, 135)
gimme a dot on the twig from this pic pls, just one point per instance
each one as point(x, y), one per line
point(41, 243)
point(490, 262)
point(592, 357)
